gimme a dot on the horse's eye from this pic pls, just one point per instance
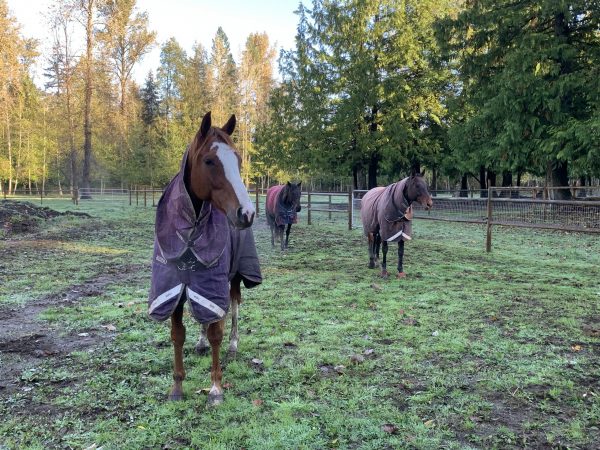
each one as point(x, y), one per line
point(209, 162)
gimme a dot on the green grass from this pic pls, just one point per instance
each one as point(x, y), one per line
point(472, 350)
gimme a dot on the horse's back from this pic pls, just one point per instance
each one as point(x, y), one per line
point(271, 202)
point(368, 209)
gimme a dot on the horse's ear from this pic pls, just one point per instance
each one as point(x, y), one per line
point(229, 126)
point(289, 184)
point(205, 125)
point(300, 184)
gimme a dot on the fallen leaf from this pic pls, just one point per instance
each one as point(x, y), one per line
point(401, 312)
point(257, 402)
point(576, 347)
point(368, 351)
point(109, 327)
point(204, 391)
point(83, 334)
point(410, 321)
point(376, 287)
point(389, 428)
point(435, 333)
point(429, 423)
point(227, 386)
point(257, 362)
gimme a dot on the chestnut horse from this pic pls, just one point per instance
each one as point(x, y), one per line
point(204, 247)
point(386, 214)
point(281, 208)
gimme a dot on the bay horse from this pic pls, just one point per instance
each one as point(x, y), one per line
point(203, 248)
point(386, 214)
point(281, 208)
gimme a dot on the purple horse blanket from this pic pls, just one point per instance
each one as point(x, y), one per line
point(277, 210)
point(196, 257)
point(386, 209)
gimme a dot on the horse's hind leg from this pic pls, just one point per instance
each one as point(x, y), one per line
point(371, 244)
point(377, 247)
point(215, 337)
point(272, 235)
point(384, 248)
point(202, 345)
point(178, 338)
point(236, 298)
point(401, 274)
point(287, 234)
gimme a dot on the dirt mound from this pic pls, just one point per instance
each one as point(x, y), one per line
point(21, 217)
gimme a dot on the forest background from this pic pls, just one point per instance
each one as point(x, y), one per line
point(476, 93)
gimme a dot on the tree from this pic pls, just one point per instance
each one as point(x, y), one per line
point(529, 73)
point(255, 85)
point(222, 78)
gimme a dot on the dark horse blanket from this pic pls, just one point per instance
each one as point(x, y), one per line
point(196, 257)
point(387, 210)
point(277, 210)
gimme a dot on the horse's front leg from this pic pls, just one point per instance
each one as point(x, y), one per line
point(384, 248)
point(236, 298)
point(280, 235)
point(401, 274)
point(377, 247)
point(287, 234)
point(215, 337)
point(202, 345)
point(178, 339)
point(272, 226)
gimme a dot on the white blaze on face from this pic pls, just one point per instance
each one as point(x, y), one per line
point(232, 172)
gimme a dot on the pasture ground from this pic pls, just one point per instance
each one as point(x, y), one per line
point(472, 350)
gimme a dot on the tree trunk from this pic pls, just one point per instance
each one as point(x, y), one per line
point(87, 124)
point(482, 182)
point(372, 175)
point(433, 181)
point(559, 177)
point(464, 186)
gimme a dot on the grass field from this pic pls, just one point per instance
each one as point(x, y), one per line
point(472, 350)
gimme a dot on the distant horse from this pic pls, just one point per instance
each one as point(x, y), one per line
point(386, 214)
point(282, 208)
point(203, 247)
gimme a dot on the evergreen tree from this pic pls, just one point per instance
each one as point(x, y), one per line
point(223, 79)
point(530, 75)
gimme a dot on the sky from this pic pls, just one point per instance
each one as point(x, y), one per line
point(188, 21)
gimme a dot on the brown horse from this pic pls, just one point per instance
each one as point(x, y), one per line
point(281, 208)
point(204, 247)
point(386, 214)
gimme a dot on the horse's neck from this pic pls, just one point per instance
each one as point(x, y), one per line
point(196, 202)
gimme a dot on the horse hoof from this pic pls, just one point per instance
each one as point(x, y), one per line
point(215, 399)
point(385, 274)
point(176, 396)
point(401, 275)
point(371, 265)
point(201, 349)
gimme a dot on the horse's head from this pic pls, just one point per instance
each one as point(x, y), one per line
point(291, 195)
point(214, 172)
point(416, 191)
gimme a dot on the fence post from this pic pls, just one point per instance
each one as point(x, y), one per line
point(308, 206)
point(129, 195)
point(41, 196)
point(488, 240)
point(350, 206)
point(137, 197)
point(329, 207)
point(145, 192)
point(256, 193)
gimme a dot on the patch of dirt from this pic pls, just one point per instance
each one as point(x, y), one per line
point(26, 341)
point(23, 217)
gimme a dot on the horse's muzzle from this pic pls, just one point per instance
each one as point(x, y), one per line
point(244, 219)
